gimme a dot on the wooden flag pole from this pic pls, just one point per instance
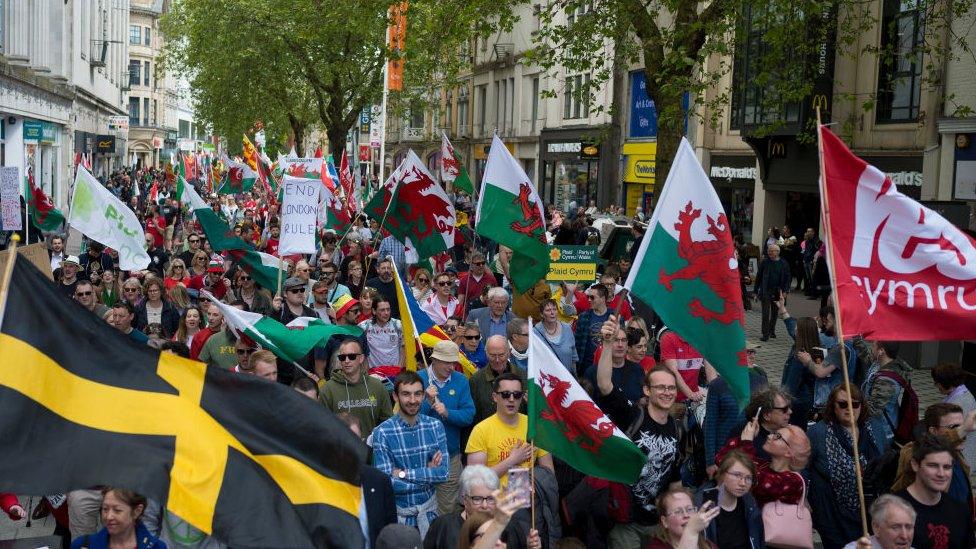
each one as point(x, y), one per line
point(8, 272)
point(855, 437)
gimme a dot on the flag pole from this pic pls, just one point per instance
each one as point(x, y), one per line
point(386, 212)
point(8, 273)
point(825, 215)
point(532, 456)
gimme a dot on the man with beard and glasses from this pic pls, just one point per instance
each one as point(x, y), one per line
point(412, 449)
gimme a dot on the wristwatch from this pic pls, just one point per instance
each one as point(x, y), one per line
point(401, 475)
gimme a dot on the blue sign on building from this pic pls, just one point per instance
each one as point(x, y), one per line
point(643, 114)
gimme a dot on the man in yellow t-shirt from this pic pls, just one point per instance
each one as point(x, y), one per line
point(499, 441)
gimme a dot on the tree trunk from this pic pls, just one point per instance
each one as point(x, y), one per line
point(298, 134)
point(670, 129)
point(337, 140)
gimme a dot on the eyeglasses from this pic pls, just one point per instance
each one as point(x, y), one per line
point(688, 511)
point(328, 273)
point(177, 267)
point(130, 289)
point(478, 263)
point(478, 500)
point(473, 338)
point(424, 280)
point(193, 240)
point(348, 357)
point(509, 395)
point(783, 409)
point(844, 404)
point(82, 294)
point(778, 436)
point(443, 283)
point(296, 290)
point(526, 334)
point(741, 477)
point(664, 388)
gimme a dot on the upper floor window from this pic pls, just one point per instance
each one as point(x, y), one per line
point(135, 34)
point(900, 71)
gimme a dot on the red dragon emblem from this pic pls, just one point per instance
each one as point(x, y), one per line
point(710, 261)
point(532, 226)
point(418, 212)
point(580, 421)
point(235, 177)
point(450, 164)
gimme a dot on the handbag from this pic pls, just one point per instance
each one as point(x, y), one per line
point(788, 526)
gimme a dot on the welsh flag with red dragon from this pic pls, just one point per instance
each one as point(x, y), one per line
point(687, 270)
point(417, 211)
point(43, 214)
point(564, 420)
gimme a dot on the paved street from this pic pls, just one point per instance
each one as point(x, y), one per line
point(772, 355)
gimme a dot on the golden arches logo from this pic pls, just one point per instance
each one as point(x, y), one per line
point(819, 101)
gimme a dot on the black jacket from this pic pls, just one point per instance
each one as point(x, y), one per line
point(380, 500)
point(170, 318)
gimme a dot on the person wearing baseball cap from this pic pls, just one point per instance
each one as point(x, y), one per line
point(448, 399)
point(213, 280)
point(69, 275)
point(291, 304)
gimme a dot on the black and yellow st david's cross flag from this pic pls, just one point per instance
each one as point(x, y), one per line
point(251, 462)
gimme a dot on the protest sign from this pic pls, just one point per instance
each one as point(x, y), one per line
point(299, 210)
point(572, 263)
point(101, 216)
point(10, 198)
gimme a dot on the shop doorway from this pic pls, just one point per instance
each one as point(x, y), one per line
point(802, 211)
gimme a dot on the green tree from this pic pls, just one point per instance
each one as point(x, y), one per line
point(686, 47)
point(293, 63)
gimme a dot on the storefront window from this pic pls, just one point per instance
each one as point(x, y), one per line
point(570, 180)
point(738, 205)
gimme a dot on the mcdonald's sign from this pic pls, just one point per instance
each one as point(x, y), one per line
point(819, 101)
point(777, 149)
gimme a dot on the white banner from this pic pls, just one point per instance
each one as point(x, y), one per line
point(299, 209)
point(99, 215)
point(10, 183)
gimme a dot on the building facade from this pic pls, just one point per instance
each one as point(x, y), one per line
point(147, 105)
point(62, 87)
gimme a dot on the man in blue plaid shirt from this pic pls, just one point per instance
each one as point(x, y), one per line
point(412, 449)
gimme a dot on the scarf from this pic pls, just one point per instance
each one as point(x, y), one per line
point(840, 466)
point(518, 355)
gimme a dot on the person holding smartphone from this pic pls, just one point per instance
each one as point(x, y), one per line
point(739, 522)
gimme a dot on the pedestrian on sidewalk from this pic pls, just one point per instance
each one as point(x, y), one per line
point(772, 280)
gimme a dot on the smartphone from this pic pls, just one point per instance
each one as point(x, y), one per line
point(710, 494)
point(818, 353)
point(519, 482)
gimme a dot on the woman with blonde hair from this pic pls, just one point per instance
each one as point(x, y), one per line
point(179, 297)
point(132, 291)
point(176, 274)
point(421, 284)
point(198, 266)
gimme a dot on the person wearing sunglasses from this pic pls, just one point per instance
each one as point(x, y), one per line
point(472, 344)
point(293, 305)
point(441, 305)
point(176, 274)
point(421, 285)
point(193, 246)
point(499, 442)
point(350, 389)
point(724, 418)
point(472, 282)
point(833, 482)
point(85, 294)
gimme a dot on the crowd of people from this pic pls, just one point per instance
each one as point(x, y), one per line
point(444, 445)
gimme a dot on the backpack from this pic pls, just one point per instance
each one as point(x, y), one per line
point(907, 412)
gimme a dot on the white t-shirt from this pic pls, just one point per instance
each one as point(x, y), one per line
point(384, 342)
